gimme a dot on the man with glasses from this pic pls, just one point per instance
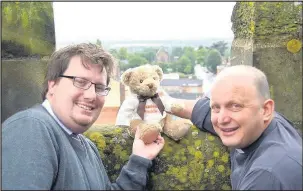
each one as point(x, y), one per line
point(43, 147)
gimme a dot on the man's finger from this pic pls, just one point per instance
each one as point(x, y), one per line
point(160, 139)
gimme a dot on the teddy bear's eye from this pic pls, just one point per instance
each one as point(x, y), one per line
point(141, 81)
point(154, 78)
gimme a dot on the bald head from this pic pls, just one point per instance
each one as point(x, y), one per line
point(249, 73)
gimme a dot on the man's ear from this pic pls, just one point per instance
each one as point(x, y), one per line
point(126, 76)
point(159, 71)
point(268, 109)
point(51, 87)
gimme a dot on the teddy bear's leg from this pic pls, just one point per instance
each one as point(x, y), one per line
point(176, 129)
point(133, 127)
point(148, 132)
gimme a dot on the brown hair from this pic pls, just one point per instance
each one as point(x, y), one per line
point(91, 53)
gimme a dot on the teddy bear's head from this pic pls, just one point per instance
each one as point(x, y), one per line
point(143, 80)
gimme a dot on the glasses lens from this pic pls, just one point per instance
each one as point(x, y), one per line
point(81, 83)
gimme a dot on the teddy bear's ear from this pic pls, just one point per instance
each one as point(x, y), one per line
point(159, 71)
point(126, 76)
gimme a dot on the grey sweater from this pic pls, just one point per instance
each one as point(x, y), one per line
point(38, 154)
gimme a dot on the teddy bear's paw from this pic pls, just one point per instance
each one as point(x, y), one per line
point(133, 127)
point(149, 132)
point(176, 130)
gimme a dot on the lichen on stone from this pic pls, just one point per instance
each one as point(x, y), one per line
point(294, 45)
point(189, 164)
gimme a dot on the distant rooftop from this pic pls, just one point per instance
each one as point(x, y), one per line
point(181, 82)
point(188, 96)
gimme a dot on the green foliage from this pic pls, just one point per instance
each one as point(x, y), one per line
point(149, 54)
point(177, 51)
point(135, 60)
point(166, 67)
point(191, 54)
point(213, 60)
point(221, 46)
point(115, 53)
point(201, 55)
point(123, 53)
point(182, 63)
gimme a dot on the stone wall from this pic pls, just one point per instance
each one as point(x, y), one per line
point(197, 162)
point(21, 85)
point(268, 35)
point(27, 29)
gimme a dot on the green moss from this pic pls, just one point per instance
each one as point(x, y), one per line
point(120, 153)
point(225, 157)
point(210, 163)
point(30, 25)
point(210, 137)
point(225, 187)
point(180, 173)
point(117, 166)
point(179, 166)
point(198, 155)
point(221, 168)
point(198, 143)
point(216, 154)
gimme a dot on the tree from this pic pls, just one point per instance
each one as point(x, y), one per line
point(227, 53)
point(149, 54)
point(221, 46)
point(122, 53)
point(177, 52)
point(190, 53)
point(135, 60)
point(213, 60)
point(166, 67)
point(182, 63)
point(201, 55)
point(114, 52)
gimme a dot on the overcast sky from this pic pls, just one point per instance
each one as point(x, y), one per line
point(141, 20)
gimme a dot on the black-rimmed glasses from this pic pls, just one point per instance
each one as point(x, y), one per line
point(101, 90)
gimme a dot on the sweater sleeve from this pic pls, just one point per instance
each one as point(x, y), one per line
point(201, 117)
point(133, 175)
point(29, 159)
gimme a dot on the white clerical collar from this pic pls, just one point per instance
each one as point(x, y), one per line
point(48, 107)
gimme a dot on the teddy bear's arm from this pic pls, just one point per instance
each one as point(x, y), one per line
point(126, 112)
point(171, 104)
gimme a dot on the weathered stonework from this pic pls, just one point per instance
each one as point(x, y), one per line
point(197, 162)
point(268, 35)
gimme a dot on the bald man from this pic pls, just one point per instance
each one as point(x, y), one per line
point(266, 149)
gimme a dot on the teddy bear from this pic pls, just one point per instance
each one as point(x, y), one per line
point(148, 107)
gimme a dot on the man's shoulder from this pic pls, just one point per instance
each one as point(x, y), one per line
point(36, 113)
point(283, 168)
point(275, 154)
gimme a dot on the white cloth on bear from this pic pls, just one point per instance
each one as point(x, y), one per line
point(128, 110)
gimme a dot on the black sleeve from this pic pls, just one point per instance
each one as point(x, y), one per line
point(201, 116)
